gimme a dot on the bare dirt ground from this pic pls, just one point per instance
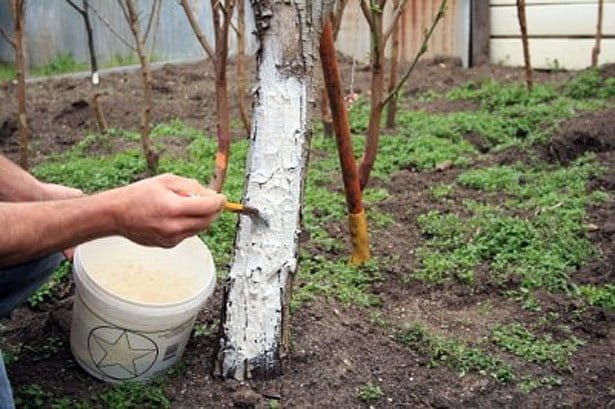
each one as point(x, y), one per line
point(337, 349)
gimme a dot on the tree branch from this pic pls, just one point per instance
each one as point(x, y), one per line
point(76, 7)
point(367, 12)
point(113, 30)
point(422, 50)
point(7, 37)
point(197, 29)
point(394, 19)
point(155, 12)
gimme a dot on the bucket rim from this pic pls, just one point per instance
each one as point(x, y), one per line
point(208, 286)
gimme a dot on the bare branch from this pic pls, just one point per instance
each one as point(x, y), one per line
point(338, 14)
point(113, 30)
point(197, 29)
point(7, 37)
point(422, 50)
point(153, 15)
point(76, 7)
point(156, 25)
point(394, 19)
point(367, 12)
point(124, 11)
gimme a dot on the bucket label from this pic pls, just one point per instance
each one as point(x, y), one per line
point(120, 353)
point(111, 352)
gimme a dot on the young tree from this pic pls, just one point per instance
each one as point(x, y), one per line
point(84, 11)
point(357, 221)
point(132, 17)
point(18, 10)
point(596, 49)
point(242, 80)
point(265, 257)
point(525, 43)
point(325, 114)
point(222, 13)
point(392, 105)
point(373, 10)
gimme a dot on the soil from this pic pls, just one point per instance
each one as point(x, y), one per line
point(336, 348)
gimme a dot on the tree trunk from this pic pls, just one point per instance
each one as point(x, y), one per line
point(525, 41)
point(18, 11)
point(242, 80)
point(392, 104)
point(265, 257)
point(150, 155)
point(357, 220)
point(377, 90)
point(596, 49)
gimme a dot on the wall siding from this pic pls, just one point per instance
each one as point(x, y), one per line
point(561, 33)
point(53, 28)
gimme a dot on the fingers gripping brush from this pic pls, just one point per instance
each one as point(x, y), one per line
point(252, 212)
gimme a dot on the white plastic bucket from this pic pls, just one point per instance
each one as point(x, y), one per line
point(135, 306)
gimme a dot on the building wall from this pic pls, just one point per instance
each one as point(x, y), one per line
point(561, 33)
point(53, 28)
point(450, 38)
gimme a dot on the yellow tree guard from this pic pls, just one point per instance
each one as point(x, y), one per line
point(357, 222)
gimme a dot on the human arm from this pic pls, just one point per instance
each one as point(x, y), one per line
point(150, 212)
point(17, 185)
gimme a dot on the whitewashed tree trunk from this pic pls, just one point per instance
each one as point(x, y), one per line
point(265, 257)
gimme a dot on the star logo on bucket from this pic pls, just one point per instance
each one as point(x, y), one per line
point(121, 354)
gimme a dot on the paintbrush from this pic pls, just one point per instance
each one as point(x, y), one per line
point(246, 210)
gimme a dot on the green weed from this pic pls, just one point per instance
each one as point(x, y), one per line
point(319, 275)
point(32, 397)
point(454, 354)
point(527, 384)
point(590, 84)
point(600, 296)
point(515, 338)
point(370, 393)
point(132, 395)
point(62, 63)
point(48, 292)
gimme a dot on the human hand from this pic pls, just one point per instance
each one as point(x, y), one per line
point(164, 210)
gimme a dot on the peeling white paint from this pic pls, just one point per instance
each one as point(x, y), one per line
point(266, 255)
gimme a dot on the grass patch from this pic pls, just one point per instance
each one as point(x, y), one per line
point(600, 296)
point(454, 354)
point(49, 291)
point(541, 249)
point(517, 339)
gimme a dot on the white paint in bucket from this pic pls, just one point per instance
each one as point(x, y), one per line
point(135, 306)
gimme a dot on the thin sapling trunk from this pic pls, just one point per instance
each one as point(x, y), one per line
point(150, 155)
point(16, 41)
point(596, 49)
point(357, 220)
point(525, 43)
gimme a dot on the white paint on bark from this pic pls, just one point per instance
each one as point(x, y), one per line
point(266, 255)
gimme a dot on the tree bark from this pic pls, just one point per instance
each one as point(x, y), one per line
point(242, 80)
point(150, 155)
point(357, 220)
point(392, 104)
point(377, 90)
point(596, 49)
point(525, 42)
point(221, 29)
point(265, 257)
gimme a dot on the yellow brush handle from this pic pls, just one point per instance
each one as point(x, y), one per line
point(234, 207)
